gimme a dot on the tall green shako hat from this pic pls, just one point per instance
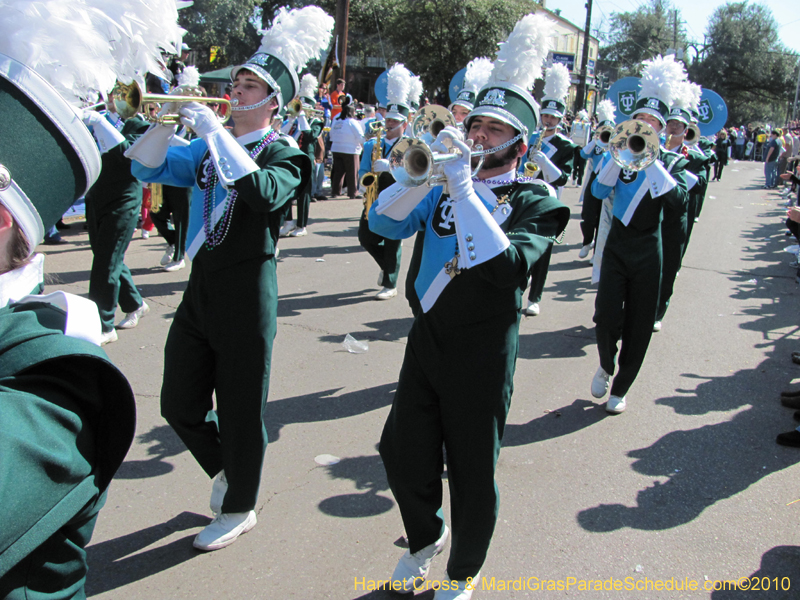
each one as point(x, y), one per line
point(556, 87)
point(398, 85)
point(478, 72)
point(518, 65)
point(295, 37)
point(48, 68)
point(308, 88)
point(606, 111)
point(661, 80)
point(686, 100)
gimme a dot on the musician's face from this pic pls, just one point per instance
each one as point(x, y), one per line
point(249, 89)
point(460, 112)
point(550, 121)
point(675, 127)
point(489, 133)
point(650, 120)
point(394, 127)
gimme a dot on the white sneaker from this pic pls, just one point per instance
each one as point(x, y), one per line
point(145, 234)
point(585, 250)
point(657, 326)
point(175, 265)
point(131, 320)
point(224, 530)
point(167, 258)
point(416, 566)
point(300, 231)
point(108, 336)
point(615, 405)
point(462, 592)
point(287, 227)
point(532, 310)
point(218, 491)
point(600, 383)
point(386, 294)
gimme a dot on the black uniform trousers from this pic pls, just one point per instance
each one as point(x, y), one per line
point(111, 228)
point(384, 251)
point(462, 404)
point(591, 209)
point(673, 243)
point(538, 274)
point(220, 345)
point(175, 204)
point(627, 301)
point(692, 212)
point(303, 202)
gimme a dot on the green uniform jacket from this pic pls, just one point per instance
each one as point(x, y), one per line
point(308, 138)
point(67, 419)
point(116, 185)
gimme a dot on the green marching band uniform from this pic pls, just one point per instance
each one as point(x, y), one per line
point(67, 414)
point(698, 195)
point(478, 248)
point(628, 292)
point(113, 205)
point(674, 226)
point(219, 346)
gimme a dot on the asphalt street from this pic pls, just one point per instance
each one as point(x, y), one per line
point(685, 489)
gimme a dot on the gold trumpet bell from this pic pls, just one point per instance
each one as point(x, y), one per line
point(128, 100)
point(634, 145)
point(692, 135)
point(432, 118)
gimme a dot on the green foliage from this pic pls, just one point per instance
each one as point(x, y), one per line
point(227, 24)
point(745, 63)
point(640, 35)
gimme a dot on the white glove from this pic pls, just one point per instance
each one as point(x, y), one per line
point(151, 148)
point(444, 140)
point(200, 119)
point(659, 179)
point(302, 122)
point(588, 149)
point(381, 166)
point(550, 172)
point(104, 132)
point(458, 171)
point(609, 174)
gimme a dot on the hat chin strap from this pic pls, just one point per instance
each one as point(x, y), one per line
point(235, 103)
point(503, 146)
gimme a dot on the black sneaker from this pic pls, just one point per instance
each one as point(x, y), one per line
point(790, 438)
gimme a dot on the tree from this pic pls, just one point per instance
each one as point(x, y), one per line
point(634, 37)
point(745, 63)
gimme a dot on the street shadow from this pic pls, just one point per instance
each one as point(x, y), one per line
point(564, 343)
point(119, 562)
point(292, 305)
point(573, 290)
point(368, 473)
point(156, 290)
point(288, 251)
point(694, 469)
point(556, 423)
point(324, 406)
point(390, 330)
point(780, 568)
point(165, 444)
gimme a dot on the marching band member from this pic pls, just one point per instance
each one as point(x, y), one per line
point(385, 251)
point(698, 196)
point(674, 225)
point(554, 160)
point(592, 153)
point(481, 239)
point(305, 131)
point(579, 131)
point(628, 294)
point(220, 342)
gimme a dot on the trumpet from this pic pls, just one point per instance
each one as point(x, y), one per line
point(296, 106)
point(634, 145)
point(432, 118)
point(412, 163)
point(603, 134)
point(128, 101)
point(692, 135)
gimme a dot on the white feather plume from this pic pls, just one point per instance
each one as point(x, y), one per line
point(478, 72)
point(190, 77)
point(695, 93)
point(298, 35)
point(582, 115)
point(662, 78)
point(398, 84)
point(308, 86)
point(606, 111)
point(519, 59)
point(414, 90)
point(82, 47)
point(556, 82)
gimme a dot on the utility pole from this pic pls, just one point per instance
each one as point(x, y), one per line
point(580, 97)
point(796, 92)
point(342, 23)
